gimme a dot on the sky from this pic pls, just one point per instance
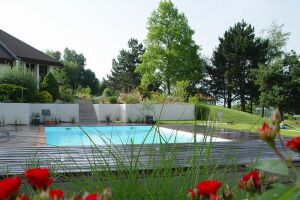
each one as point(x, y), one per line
point(101, 28)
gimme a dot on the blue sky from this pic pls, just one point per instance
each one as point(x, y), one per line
point(100, 28)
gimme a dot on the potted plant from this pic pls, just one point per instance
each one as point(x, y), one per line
point(35, 119)
point(49, 122)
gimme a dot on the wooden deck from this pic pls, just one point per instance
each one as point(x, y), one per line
point(15, 159)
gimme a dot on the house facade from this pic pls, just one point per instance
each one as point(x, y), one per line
point(16, 52)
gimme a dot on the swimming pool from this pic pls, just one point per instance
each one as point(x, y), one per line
point(104, 135)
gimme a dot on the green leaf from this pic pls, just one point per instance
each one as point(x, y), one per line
point(273, 166)
point(291, 194)
point(274, 193)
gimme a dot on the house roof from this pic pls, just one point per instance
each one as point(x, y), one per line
point(12, 48)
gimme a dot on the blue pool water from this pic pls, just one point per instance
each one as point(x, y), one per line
point(103, 135)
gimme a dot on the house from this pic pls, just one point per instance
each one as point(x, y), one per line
point(206, 98)
point(16, 52)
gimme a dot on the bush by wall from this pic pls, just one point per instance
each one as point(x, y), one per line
point(132, 99)
point(67, 94)
point(201, 111)
point(44, 97)
point(19, 76)
point(50, 85)
point(112, 100)
point(194, 100)
point(12, 92)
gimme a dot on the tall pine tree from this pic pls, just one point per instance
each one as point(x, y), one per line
point(238, 53)
point(123, 76)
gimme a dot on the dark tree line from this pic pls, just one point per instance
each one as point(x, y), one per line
point(244, 68)
point(253, 70)
point(73, 72)
point(238, 53)
point(123, 76)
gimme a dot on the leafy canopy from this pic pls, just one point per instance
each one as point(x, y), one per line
point(171, 53)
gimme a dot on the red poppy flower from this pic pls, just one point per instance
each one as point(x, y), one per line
point(56, 194)
point(208, 187)
point(92, 196)
point(294, 144)
point(9, 186)
point(23, 197)
point(266, 133)
point(250, 181)
point(78, 197)
point(38, 178)
point(191, 194)
point(213, 197)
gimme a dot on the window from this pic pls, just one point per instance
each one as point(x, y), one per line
point(43, 71)
point(30, 66)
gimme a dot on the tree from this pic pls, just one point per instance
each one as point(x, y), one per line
point(277, 40)
point(123, 76)
point(73, 72)
point(292, 67)
point(74, 64)
point(171, 53)
point(238, 53)
point(90, 80)
point(272, 79)
point(50, 85)
point(54, 54)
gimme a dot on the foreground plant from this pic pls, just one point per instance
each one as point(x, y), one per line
point(40, 181)
point(255, 184)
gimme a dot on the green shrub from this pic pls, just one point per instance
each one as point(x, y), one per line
point(194, 100)
point(201, 111)
point(44, 97)
point(112, 100)
point(132, 99)
point(180, 91)
point(67, 94)
point(84, 93)
point(13, 92)
point(50, 85)
point(19, 76)
point(108, 92)
point(158, 98)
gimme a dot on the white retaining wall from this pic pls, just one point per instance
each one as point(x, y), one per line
point(137, 112)
point(63, 112)
point(11, 113)
point(105, 110)
point(21, 112)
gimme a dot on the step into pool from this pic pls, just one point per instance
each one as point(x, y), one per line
point(107, 135)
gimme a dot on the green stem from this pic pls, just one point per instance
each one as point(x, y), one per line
point(287, 162)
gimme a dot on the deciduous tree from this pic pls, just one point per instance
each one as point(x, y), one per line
point(171, 53)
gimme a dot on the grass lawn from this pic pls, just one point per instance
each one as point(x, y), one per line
point(241, 121)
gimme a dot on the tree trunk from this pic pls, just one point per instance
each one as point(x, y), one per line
point(243, 101)
point(251, 105)
point(263, 111)
point(229, 100)
point(168, 87)
point(225, 99)
point(281, 112)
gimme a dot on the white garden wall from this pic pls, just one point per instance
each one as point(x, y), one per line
point(21, 112)
point(63, 112)
point(105, 110)
point(137, 112)
point(11, 113)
